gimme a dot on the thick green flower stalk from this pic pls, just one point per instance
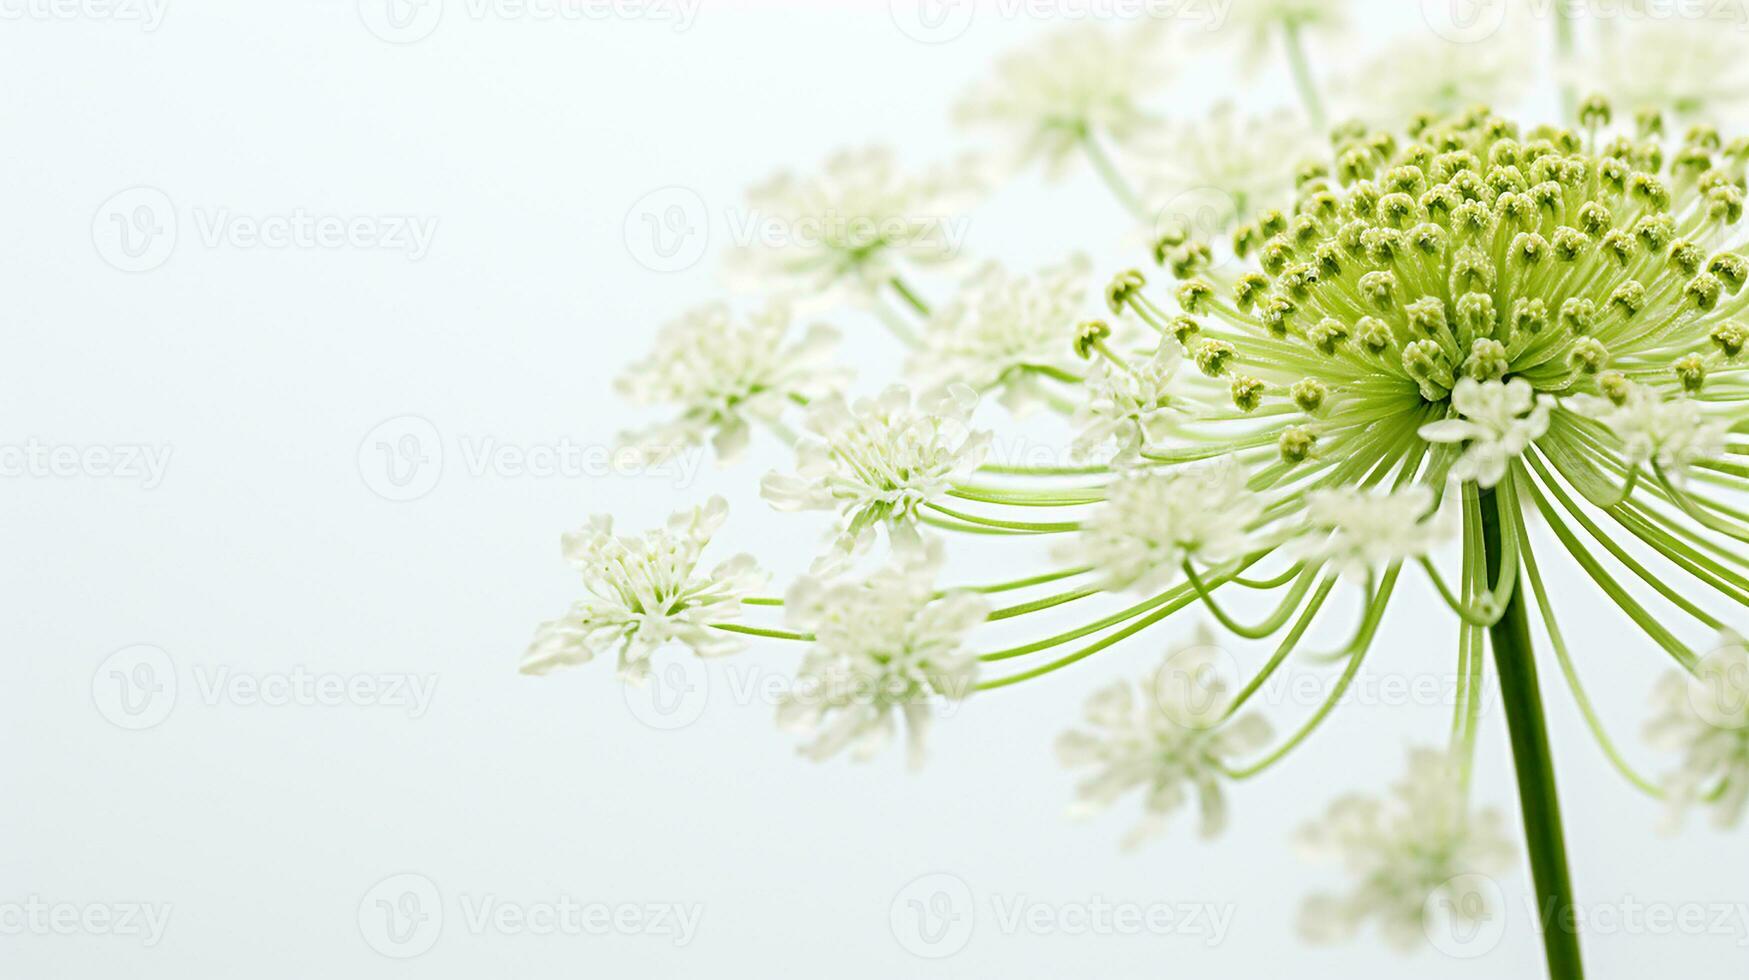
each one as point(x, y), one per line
point(1469, 349)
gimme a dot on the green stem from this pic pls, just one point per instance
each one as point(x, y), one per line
point(1302, 69)
point(1538, 800)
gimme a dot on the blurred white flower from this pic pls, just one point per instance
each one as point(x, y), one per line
point(1133, 406)
point(725, 372)
point(1208, 174)
point(1079, 81)
point(847, 231)
point(1170, 741)
point(645, 591)
point(1499, 421)
point(1002, 328)
point(1705, 717)
point(1359, 531)
point(1258, 25)
point(1403, 851)
point(878, 462)
point(1691, 67)
point(1431, 74)
point(1672, 432)
point(884, 646)
point(1152, 521)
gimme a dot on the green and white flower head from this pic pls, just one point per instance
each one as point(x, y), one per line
point(1671, 431)
point(1152, 522)
point(1080, 81)
point(1206, 174)
point(881, 462)
point(1169, 739)
point(646, 591)
point(1691, 68)
point(885, 649)
point(1428, 74)
point(726, 373)
point(1358, 533)
point(847, 231)
point(1007, 332)
point(1403, 852)
point(1497, 421)
point(1704, 716)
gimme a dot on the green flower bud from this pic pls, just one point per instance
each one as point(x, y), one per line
point(1184, 328)
point(1730, 338)
point(1487, 360)
point(1703, 291)
point(1250, 288)
point(1724, 205)
point(1732, 270)
point(1691, 371)
point(1247, 393)
point(1090, 335)
point(1578, 315)
point(1529, 248)
point(1471, 269)
point(1655, 231)
point(1529, 315)
point(1594, 112)
point(1374, 334)
point(1271, 223)
point(1686, 256)
point(1594, 218)
point(1476, 316)
point(1297, 443)
point(1427, 316)
point(1124, 286)
point(1649, 123)
point(1629, 298)
point(1615, 386)
point(1309, 394)
point(1277, 314)
point(1570, 243)
point(1618, 245)
point(1328, 334)
point(1195, 296)
point(1212, 357)
point(1588, 356)
point(1379, 288)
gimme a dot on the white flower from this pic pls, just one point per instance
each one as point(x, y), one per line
point(1358, 531)
point(1152, 521)
point(1208, 174)
point(1405, 851)
point(1132, 406)
point(884, 646)
point(1674, 432)
point(725, 372)
point(880, 461)
point(1078, 81)
point(1691, 67)
point(845, 232)
point(1499, 421)
point(1173, 742)
point(1431, 74)
point(1705, 717)
point(1259, 24)
point(1001, 327)
point(645, 591)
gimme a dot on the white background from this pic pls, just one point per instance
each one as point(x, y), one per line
point(267, 548)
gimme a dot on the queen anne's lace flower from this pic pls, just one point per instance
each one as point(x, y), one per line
point(847, 231)
point(884, 646)
point(1672, 432)
point(1151, 522)
point(1499, 422)
point(1133, 405)
point(725, 372)
point(1692, 67)
point(1405, 850)
point(1257, 24)
point(1081, 80)
point(1358, 532)
point(1705, 717)
point(645, 591)
point(1003, 329)
point(1170, 739)
point(881, 461)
